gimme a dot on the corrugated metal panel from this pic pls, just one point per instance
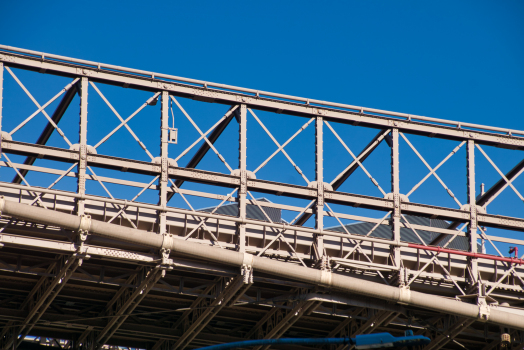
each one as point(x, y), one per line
point(360, 228)
point(252, 211)
point(407, 235)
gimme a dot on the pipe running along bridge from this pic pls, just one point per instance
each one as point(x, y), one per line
point(82, 267)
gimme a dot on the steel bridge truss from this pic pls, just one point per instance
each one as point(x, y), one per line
point(71, 289)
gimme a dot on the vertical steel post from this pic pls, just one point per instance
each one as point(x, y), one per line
point(472, 228)
point(164, 125)
point(319, 177)
point(1, 98)
point(82, 143)
point(395, 190)
point(242, 166)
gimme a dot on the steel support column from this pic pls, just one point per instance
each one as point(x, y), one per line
point(242, 166)
point(1, 100)
point(395, 190)
point(472, 228)
point(319, 176)
point(82, 159)
point(164, 162)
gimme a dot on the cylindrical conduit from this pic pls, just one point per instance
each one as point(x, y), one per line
point(473, 255)
point(276, 268)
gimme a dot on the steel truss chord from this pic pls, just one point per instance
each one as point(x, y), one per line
point(211, 92)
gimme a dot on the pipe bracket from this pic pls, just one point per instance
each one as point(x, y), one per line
point(325, 278)
point(484, 310)
point(167, 243)
point(247, 268)
point(404, 296)
point(2, 205)
point(84, 227)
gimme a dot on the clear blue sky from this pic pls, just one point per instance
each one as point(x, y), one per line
point(447, 59)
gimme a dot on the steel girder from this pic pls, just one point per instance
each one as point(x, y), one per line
point(17, 234)
point(76, 290)
point(365, 117)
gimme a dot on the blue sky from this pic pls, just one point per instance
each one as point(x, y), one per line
point(447, 59)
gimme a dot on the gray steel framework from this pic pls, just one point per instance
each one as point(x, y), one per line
point(233, 277)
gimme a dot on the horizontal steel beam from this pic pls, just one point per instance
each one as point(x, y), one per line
point(269, 102)
point(263, 186)
point(324, 278)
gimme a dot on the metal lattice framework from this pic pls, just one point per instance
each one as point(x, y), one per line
point(86, 271)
